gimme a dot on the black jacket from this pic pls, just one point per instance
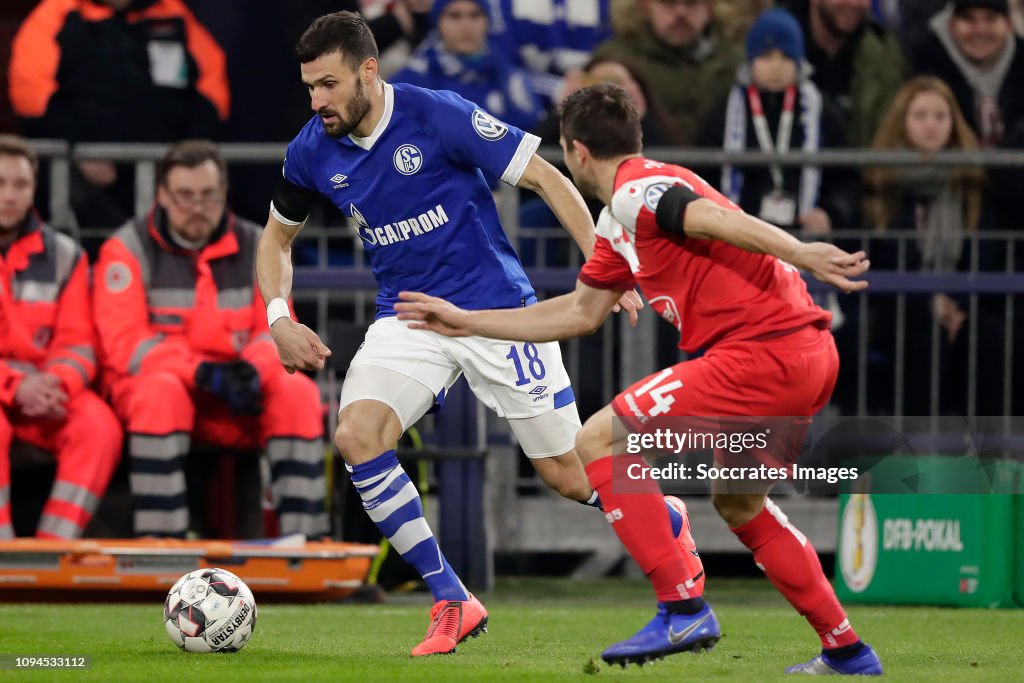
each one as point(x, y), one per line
point(932, 58)
point(82, 71)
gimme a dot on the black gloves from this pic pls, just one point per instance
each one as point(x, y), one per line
point(236, 382)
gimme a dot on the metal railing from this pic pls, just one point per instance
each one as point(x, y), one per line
point(617, 355)
point(348, 292)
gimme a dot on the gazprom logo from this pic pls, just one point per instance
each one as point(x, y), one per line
point(408, 159)
point(397, 231)
point(359, 224)
point(488, 127)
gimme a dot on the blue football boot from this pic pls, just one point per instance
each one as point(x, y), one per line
point(667, 634)
point(866, 663)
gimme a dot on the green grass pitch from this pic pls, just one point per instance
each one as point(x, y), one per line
point(540, 630)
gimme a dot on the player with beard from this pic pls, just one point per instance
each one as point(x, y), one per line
point(406, 166)
point(727, 282)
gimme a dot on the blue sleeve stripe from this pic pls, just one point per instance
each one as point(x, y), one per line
point(564, 397)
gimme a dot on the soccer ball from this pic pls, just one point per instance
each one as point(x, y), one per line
point(210, 610)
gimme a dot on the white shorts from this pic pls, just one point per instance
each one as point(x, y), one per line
point(523, 382)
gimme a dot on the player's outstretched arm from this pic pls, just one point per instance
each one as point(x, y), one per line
point(563, 199)
point(681, 211)
point(571, 315)
point(298, 346)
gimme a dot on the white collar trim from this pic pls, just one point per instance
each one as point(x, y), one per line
point(389, 107)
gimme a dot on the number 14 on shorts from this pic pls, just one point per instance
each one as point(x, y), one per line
point(661, 393)
point(533, 363)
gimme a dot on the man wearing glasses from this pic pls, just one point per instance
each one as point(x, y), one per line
point(187, 353)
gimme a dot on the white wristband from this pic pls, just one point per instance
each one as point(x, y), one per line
point(277, 309)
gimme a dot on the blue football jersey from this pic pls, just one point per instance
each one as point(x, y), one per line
point(415, 194)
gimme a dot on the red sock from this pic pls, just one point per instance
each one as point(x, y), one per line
point(635, 508)
point(792, 565)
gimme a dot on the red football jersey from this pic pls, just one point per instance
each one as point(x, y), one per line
point(710, 290)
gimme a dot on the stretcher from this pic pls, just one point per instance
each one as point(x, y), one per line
point(129, 569)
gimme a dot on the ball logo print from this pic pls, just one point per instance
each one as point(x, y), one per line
point(488, 127)
point(210, 610)
point(408, 159)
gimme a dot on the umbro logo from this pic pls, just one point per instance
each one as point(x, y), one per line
point(339, 180)
point(540, 389)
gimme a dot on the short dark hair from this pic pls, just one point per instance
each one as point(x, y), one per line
point(14, 146)
point(344, 32)
point(189, 154)
point(604, 118)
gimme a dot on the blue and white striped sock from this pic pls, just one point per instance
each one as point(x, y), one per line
point(674, 517)
point(393, 503)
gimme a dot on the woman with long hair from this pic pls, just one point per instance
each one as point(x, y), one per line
point(925, 117)
point(943, 206)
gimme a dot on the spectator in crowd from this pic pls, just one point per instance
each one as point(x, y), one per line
point(775, 107)
point(550, 38)
point(908, 19)
point(391, 22)
point(677, 47)
point(458, 56)
point(942, 206)
point(115, 70)
point(188, 353)
point(973, 49)
point(47, 357)
point(737, 16)
point(655, 121)
point(656, 125)
point(858, 65)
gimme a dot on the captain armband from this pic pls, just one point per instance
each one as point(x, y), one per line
point(672, 209)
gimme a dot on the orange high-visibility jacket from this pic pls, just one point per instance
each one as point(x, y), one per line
point(83, 71)
point(45, 311)
point(162, 307)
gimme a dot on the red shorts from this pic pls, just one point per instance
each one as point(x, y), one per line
point(777, 383)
